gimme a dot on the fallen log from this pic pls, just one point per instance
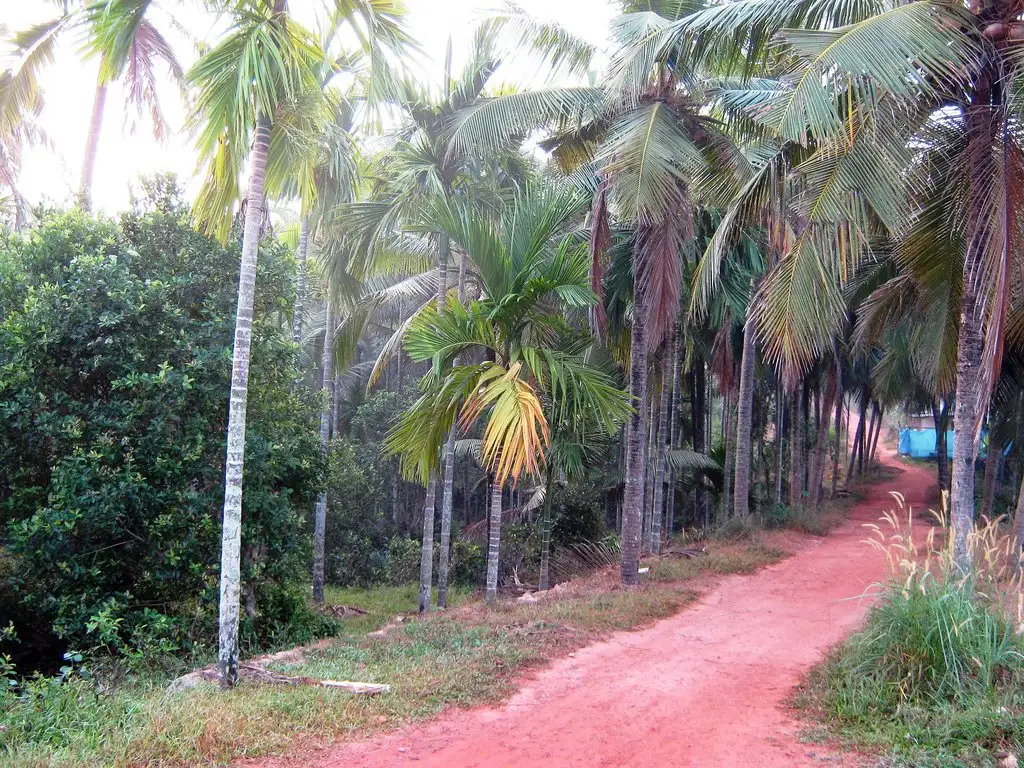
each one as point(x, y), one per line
point(684, 552)
point(260, 674)
point(341, 611)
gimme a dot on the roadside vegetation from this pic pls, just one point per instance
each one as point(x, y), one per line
point(421, 325)
point(465, 656)
point(935, 678)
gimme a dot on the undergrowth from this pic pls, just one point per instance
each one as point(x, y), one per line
point(935, 676)
point(462, 657)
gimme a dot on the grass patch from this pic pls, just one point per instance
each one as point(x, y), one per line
point(462, 657)
point(934, 679)
point(936, 676)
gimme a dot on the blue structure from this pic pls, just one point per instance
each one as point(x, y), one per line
point(921, 443)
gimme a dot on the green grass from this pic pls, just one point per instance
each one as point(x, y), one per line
point(934, 679)
point(465, 656)
point(383, 603)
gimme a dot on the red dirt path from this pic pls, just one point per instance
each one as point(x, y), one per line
point(704, 688)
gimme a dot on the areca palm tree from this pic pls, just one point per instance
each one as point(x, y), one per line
point(243, 85)
point(420, 169)
point(523, 266)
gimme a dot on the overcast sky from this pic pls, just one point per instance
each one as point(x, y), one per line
point(127, 150)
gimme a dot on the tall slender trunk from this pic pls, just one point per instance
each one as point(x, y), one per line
point(865, 455)
point(795, 471)
point(651, 430)
point(544, 579)
point(805, 430)
point(636, 448)
point(658, 508)
point(327, 392)
point(698, 387)
point(780, 409)
point(231, 535)
point(300, 285)
point(940, 415)
point(858, 440)
point(728, 438)
point(448, 489)
point(427, 548)
point(744, 424)
point(993, 463)
point(448, 467)
point(821, 443)
point(493, 543)
point(980, 123)
point(878, 431)
point(673, 439)
point(839, 431)
point(92, 143)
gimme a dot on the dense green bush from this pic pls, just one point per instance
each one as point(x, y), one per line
point(115, 357)
point(932, 644)
point(357, 521)
point(934, 677)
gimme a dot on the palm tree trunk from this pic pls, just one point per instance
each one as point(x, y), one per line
point(677, 371)
point(657, 510)
point(805, 430)
point(839, 432)
point(92, 143)
point(231, 533)
point(544, 579)
point(744, 424)
point(858, 440)
point(728, 440)
point(493, 543)
point(448, 489)
point(652, 439)
point(427, 549)
point(300, 285)
point(821, 443)
point(940, 415)
point(993, 463)
point(636, 449)
point(698, 387)
point(980, 124)
point(780, 409)
point(326, 391)
point(795, 471)
point(878, 431)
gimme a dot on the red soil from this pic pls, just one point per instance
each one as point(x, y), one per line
point(707, 687)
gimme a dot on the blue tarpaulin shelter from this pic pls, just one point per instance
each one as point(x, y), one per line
point(920, 443)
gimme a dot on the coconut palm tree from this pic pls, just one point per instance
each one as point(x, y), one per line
point(129, 47)
point(936, 78)
point(265, 62)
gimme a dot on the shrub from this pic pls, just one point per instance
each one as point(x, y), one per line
point(402, 562)
point(935, 673)
point(933, 644)
point(468, 563)
point(115, 360)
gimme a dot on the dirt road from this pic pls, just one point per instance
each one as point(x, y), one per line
point(703, 689)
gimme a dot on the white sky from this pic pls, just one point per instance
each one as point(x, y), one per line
point(126, 152)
